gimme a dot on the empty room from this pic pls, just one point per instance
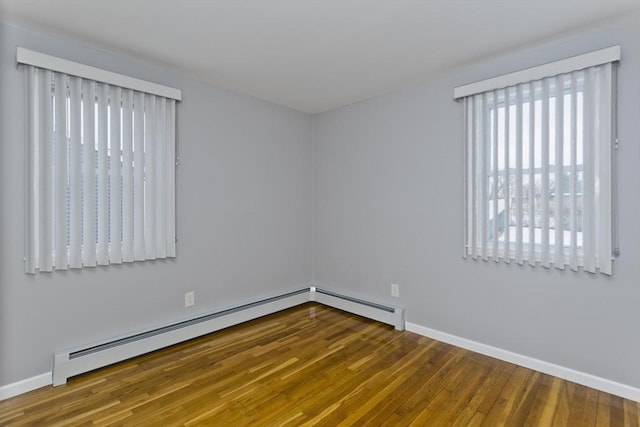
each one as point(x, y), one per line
point(305, 212)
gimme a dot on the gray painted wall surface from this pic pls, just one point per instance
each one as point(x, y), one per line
point(243, 207)
point(388, 209)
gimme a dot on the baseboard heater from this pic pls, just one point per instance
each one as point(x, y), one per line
point(76, 361)
point(393, 316)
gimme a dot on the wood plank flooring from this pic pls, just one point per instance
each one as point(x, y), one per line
point(313, 365)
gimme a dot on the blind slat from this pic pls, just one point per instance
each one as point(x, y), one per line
point(31, 168)
point(150, 143)
point(115, 177)
point(127, 176)
point(604, 104)
point(495, 218)
point(161, 173)
point(171, 178)
point(473, 161)
point(483, 158)
point(573, 171)
point(544, 161)
point(559, 259)
point(60, 172)
point(589, 178)
point(89, 173)
point(506, 193)
point(531, 255)
point(75, 172)
point(518, 176)
point(46, 173)
point(103, 175)
point(138, 179)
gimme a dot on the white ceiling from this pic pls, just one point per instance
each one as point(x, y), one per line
point(311, 55)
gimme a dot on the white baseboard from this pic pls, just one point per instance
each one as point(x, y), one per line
point(599, 383)
point(23, 386)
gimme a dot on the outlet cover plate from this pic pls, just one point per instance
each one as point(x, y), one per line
point(189, 299)
point(395, 290)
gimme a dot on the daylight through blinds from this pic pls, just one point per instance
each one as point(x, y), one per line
point(538, 171)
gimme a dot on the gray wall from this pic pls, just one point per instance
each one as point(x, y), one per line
point(243, 207)
point(388, 209)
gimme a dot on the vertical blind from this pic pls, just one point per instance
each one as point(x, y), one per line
point(100, 173)
point(538, 163)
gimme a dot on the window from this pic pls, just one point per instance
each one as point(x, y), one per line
point(100, 166)
point(538, 162)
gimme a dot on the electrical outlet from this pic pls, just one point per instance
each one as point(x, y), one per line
point(395, 290)
point(189, 299)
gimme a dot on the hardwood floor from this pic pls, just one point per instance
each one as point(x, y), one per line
point(313, 365)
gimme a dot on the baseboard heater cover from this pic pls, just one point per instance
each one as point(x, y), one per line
point(390, 315)
point(76, 361)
